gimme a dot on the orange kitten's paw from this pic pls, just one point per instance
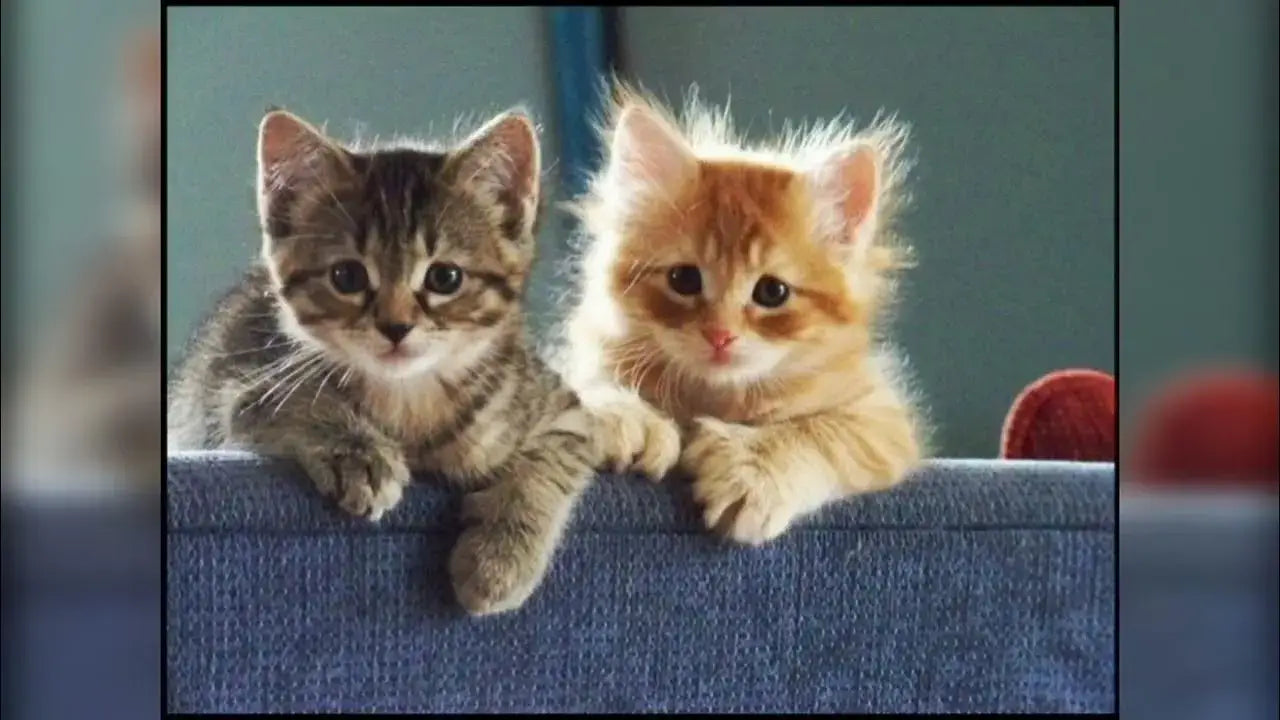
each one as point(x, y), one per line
point(636, 437)
point(740, 498)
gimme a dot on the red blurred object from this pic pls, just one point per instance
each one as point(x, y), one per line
point(1211, 426)
point(1065, 415)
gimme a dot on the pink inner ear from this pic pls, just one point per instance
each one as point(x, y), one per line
point(858, 179)
point(515, 136)
point(646, 151)
point(282, 137)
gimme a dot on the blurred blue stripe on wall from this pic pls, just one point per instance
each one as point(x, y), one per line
point(580, 52)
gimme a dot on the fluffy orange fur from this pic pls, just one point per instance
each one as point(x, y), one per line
point(774, 409)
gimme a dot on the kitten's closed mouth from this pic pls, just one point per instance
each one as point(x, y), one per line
point(721, 357)
point(395, 356)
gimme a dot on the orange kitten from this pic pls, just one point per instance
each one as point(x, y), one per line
point(736, 290)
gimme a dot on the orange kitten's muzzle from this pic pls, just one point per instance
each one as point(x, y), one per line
point(719, 339)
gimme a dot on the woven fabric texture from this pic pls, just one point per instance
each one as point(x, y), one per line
point(974, 586)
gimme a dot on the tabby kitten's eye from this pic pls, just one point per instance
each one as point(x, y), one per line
point(443, 278)
point(770, 292)
point(685, 279)
point(349, 277)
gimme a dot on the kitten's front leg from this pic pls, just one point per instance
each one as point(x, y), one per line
point(633, 435)
point(344, 455)
point(364, 473)
point(517, 523)
point(753, 482)
point(746, 493)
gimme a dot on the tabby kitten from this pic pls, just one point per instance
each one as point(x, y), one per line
point(733, 292)
point(382, 333)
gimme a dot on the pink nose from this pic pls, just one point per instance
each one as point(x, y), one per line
point(718, 337)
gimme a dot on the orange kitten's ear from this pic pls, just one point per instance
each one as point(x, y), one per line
point(501, 164)
point(848, 183)
point(648, 156)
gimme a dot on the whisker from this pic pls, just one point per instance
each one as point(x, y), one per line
point(324, 380)
point(271, 368)
point(316, 369)
point(289, 375)
point(636, 277)
point(324, 185)
point(268, 346)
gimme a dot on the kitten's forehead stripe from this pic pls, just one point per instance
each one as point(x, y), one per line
point(361, 237)
point(399, 187)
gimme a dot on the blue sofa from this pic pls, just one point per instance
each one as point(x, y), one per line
point(974, 586)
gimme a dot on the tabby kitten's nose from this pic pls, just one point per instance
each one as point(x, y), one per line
point(394, 332)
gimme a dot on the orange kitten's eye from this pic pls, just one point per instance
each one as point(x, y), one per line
point(685, 279)
point(349, 277)
point(770, 292)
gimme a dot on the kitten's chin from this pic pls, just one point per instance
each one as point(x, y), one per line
point(400, 366)
point(404, 365)
point(735, 370)
point(732, 373)
point(440, 355)
point(743, 366)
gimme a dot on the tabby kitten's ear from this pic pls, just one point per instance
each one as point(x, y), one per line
point(500, 165)
point(647, 157)
point(848, 182)
point(291, 154)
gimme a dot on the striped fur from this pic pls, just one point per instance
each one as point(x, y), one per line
point(292, 361)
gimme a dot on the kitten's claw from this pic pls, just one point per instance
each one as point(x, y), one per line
point(740, 499)
point(366, 480)
point(661, 448)
point(636, 437)
point(754, 517)
point(743, 505)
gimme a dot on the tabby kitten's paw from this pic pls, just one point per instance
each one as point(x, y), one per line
point(637, 437)
point(366, 478)
point(496, 565)
point(740, 497)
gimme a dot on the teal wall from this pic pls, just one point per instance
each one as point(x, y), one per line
point(1014, 119)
